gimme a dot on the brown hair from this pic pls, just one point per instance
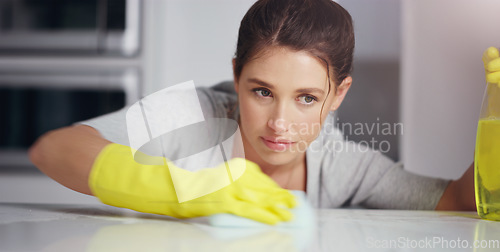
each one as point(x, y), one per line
point(321, 27)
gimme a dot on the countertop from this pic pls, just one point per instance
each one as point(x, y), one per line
point(90, 227)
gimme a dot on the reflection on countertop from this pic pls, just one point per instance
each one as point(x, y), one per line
point(64, 227)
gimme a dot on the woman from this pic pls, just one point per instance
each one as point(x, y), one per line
point(291, 68)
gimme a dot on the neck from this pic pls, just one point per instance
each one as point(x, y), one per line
point(289, 175)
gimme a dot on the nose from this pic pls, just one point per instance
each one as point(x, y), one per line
point(278, 122)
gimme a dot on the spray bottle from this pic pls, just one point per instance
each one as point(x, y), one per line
point(487, 154)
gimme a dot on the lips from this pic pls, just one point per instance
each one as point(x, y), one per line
point(277, 144)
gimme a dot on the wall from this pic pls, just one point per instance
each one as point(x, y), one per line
point(190, 40)
point(372, 101)
point(443, 81)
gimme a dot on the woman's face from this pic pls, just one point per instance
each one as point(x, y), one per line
point(281, 95)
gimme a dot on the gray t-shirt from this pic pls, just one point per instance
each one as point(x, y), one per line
point(339, 173)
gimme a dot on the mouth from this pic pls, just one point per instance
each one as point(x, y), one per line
point(277, 144)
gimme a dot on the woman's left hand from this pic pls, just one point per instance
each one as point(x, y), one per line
point(491, 60)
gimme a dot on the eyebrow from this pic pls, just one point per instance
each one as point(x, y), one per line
point(301, 90)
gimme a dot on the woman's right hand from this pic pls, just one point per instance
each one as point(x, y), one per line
point(253, 195)
point(237, 187)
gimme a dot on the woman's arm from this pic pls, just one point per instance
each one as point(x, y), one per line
point(67, 154)
point(460, 194)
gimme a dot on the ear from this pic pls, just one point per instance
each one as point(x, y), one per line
point(235, 80)
point(341, 92)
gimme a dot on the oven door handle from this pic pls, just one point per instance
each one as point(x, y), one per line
point(127, 80)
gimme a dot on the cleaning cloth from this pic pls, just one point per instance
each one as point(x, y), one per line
point(304, 216)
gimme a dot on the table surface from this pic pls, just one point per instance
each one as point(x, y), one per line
point(68, 227)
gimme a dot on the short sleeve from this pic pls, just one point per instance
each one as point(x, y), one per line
point(113, 126)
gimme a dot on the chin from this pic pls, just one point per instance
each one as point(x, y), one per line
point(280, 158)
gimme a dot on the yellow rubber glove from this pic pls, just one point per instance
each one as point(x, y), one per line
point(491, 60)
point(118, 180)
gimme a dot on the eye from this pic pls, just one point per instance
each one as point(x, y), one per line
point(262, 92)
point(307, 99)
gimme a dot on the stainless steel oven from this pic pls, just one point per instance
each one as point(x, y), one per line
point(32, 103)
point(63, 61)
point(100, 27)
